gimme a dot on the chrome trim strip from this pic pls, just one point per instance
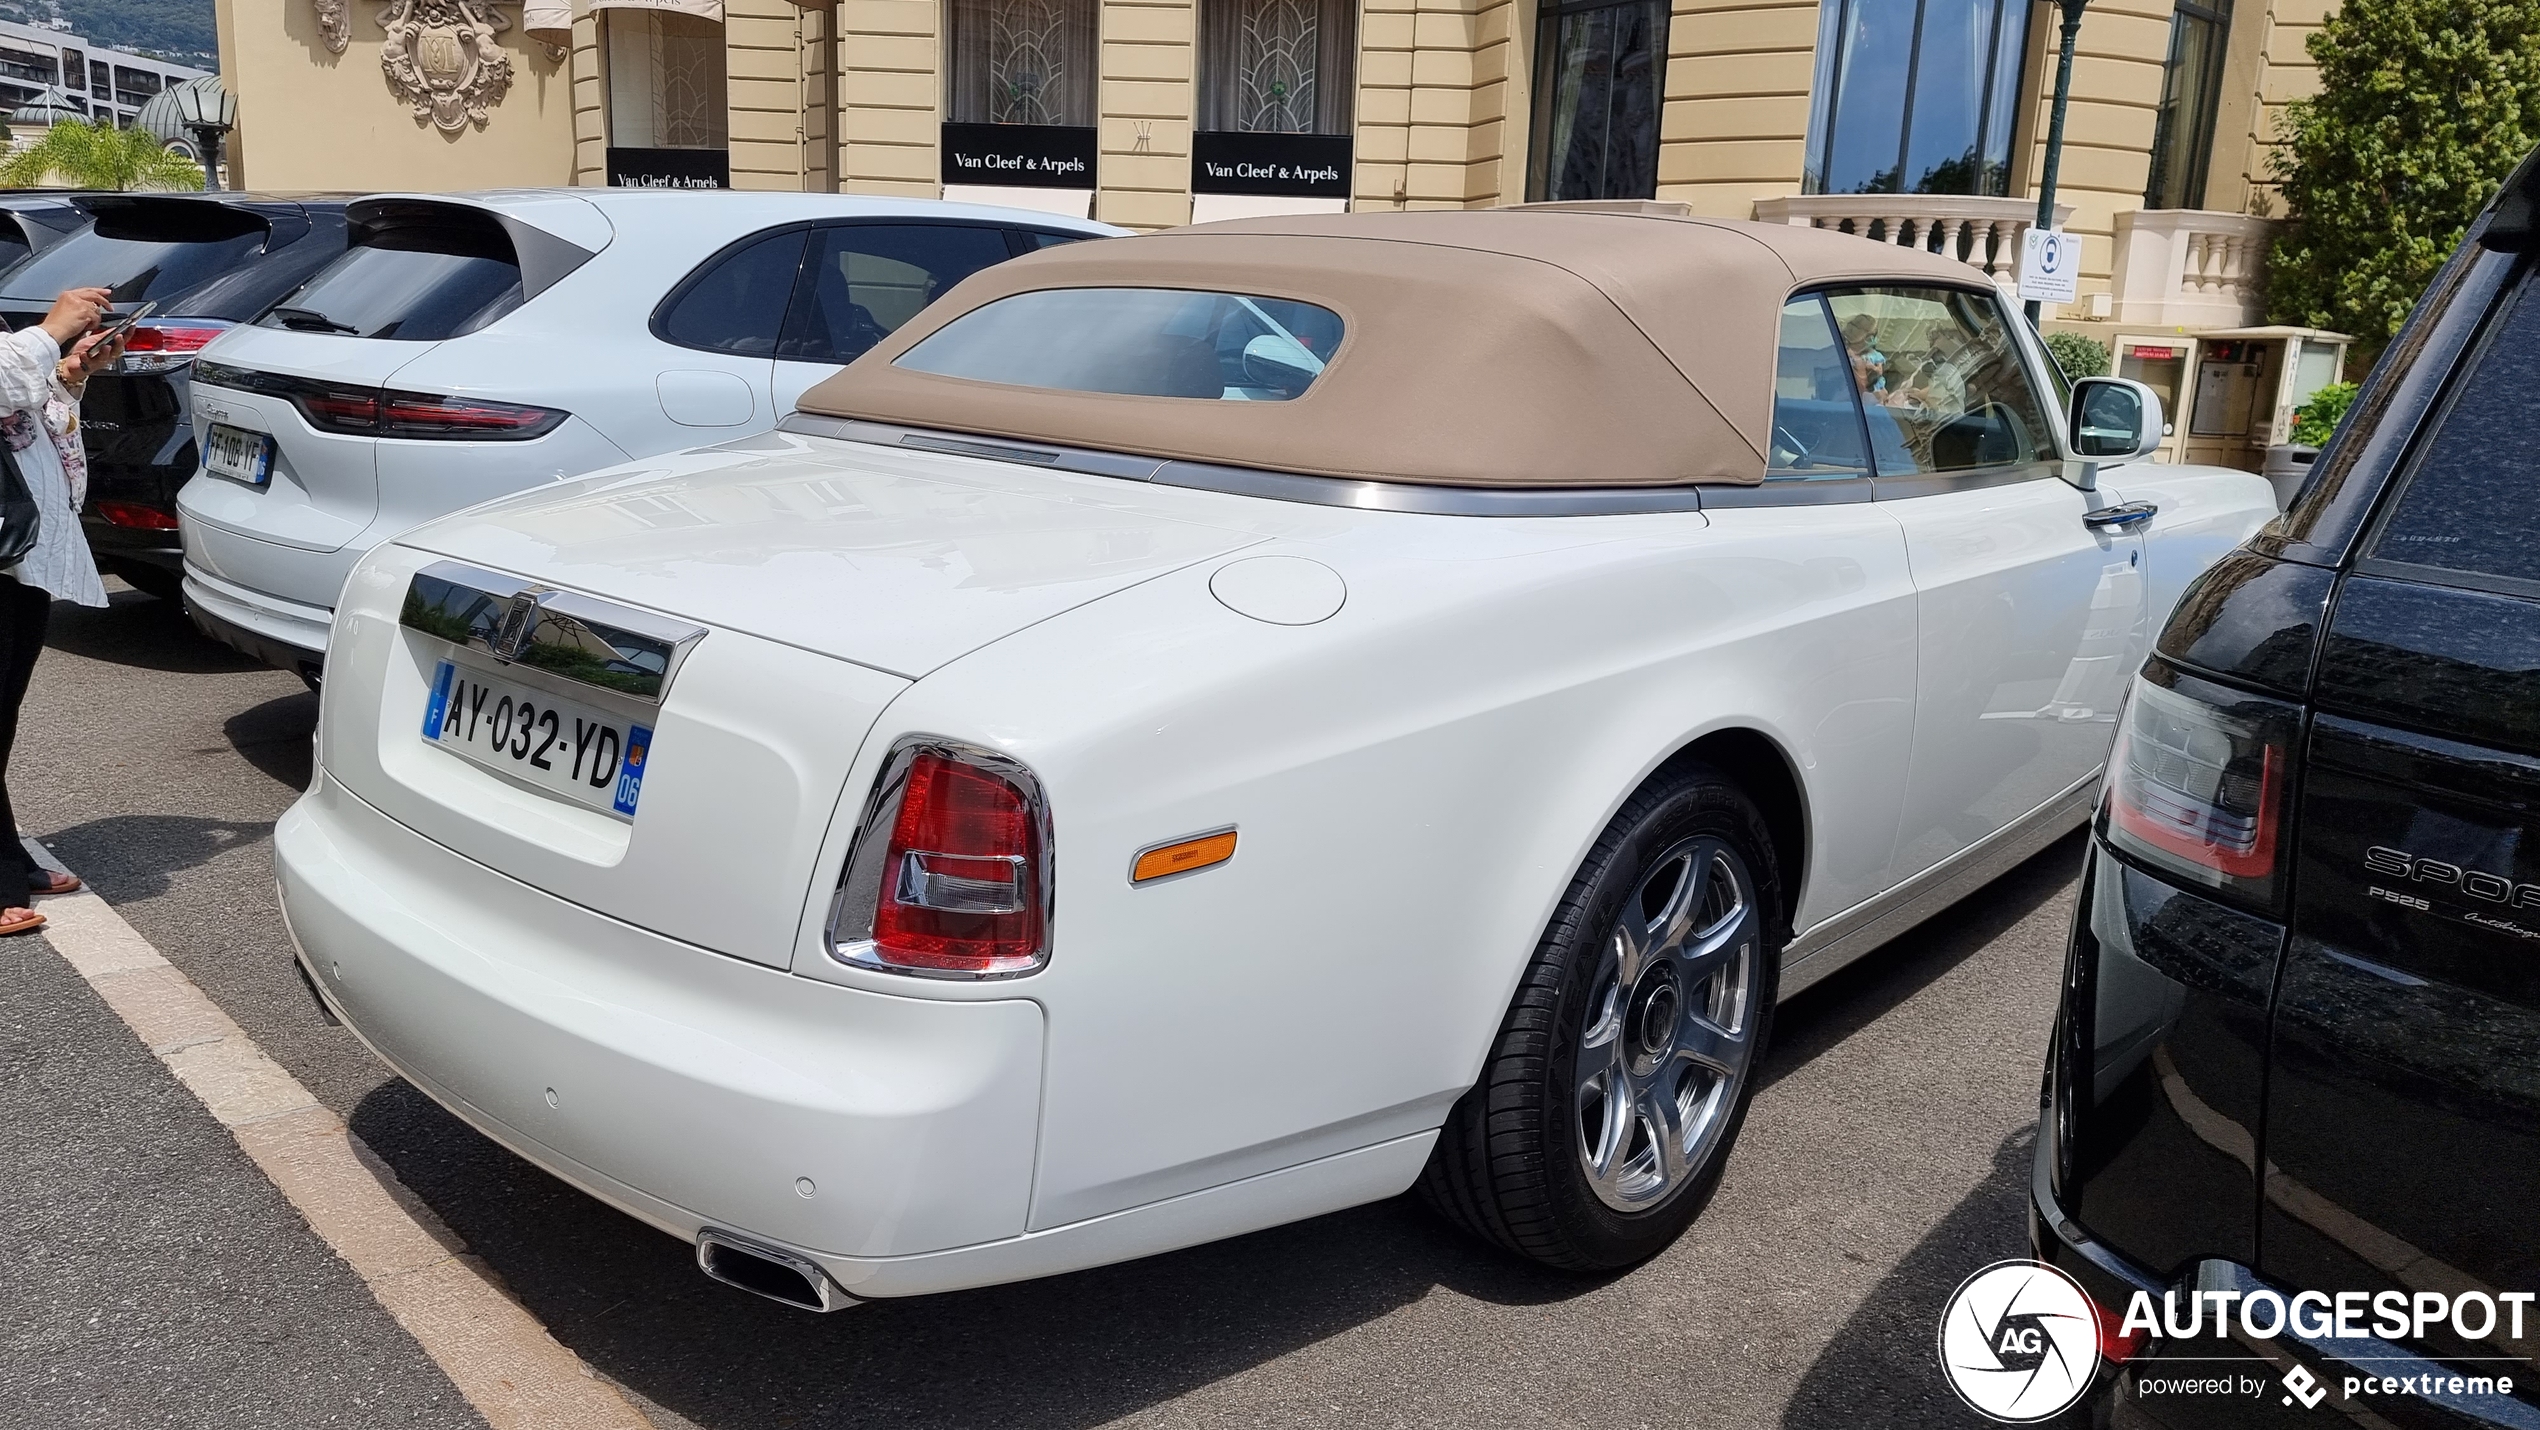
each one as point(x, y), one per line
point(1792, 491)
point(848, 935)
point(566, 634)
point(1409, 497)
point(1932, 484)
point(1877, 920)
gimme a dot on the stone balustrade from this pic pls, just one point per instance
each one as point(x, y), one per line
point(1979, 231)
point(2191, 268)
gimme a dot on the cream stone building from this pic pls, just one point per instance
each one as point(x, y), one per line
point(1916, 121)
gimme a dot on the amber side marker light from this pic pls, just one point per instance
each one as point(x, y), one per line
point(1182, 856)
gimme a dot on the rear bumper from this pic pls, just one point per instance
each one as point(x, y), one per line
point(282, 634)
point(693, 1090)
point(2173, 1385)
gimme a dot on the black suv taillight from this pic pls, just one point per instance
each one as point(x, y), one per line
point(2199, 782)
point(950, 877)
point(378, 412)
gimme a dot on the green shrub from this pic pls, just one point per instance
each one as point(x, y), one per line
point(2314, 420)
point(2078, 354)
point(2424, 107)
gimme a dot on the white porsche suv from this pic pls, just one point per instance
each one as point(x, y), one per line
point(468, 346)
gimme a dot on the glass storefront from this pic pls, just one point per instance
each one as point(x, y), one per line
point(2191, 88)
point(668, 108)
point(1915, 96)
point(1276, 66)
point(1600, 80)
point(1023, 62)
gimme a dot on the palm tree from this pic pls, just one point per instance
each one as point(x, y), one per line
point(85, 155)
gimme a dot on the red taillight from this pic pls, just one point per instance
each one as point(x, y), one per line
point(137, 516)
point(2197, 785)
point(2116, 1344)
point(419, 414)
point(950, 877)
point(351, 411)
point(167, 344)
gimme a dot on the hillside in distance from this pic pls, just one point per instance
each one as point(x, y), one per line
point(178, 30)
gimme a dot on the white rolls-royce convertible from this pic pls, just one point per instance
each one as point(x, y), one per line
point(1201, 730)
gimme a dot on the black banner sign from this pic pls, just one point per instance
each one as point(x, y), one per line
point(670, 168)
point(1031, 156)
point(1313, 166)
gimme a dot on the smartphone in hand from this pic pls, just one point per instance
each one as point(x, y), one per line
point(113, 329)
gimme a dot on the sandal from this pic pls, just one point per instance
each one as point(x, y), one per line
point(46, 881)
point(31, 922)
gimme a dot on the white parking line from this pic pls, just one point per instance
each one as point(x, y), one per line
point(493, 1350)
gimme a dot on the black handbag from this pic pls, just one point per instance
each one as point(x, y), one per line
point(21, 520)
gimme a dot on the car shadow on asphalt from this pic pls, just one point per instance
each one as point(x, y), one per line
point(1844, 1003)
point(1880, 1371)
point(275, 737)
point(1075, 1350)
point(130, 857)
point(1096, 1345)
point(140, 631)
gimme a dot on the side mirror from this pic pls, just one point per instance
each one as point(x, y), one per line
point(1271, 360)
point(2114, 419)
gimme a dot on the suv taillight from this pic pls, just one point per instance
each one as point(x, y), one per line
point(2197, 783)
point(950, 875)
point(463, 419)
point(167, 344)
point(375, 412)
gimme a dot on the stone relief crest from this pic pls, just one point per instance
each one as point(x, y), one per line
point(442, 60)
point(335, 24)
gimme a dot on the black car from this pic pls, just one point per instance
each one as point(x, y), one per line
point(31, 222)
point(208, 261)
point(2295, 1079)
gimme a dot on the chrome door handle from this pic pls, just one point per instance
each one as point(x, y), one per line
point(2127, 514)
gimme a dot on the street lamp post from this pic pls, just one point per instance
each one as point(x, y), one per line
point(209, 111)
point(2055, 127)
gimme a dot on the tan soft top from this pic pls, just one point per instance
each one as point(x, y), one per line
point(1501, 347)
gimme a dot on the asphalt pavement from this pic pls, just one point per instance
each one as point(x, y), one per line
point(152, 1277)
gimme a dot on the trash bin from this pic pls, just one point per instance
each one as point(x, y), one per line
point(2288, 466)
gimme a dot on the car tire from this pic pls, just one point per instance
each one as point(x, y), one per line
point(1609, 1101)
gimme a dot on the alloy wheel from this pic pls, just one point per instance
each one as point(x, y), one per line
point(1669, 1027)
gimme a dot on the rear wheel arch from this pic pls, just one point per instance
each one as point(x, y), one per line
point(1759, 766)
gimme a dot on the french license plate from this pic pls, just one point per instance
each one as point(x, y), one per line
point(564, 747)
point(238, 454)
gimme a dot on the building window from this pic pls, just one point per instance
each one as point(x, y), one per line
point(1023, 62)
point(665, 80)
point(1915, 96)
point(74, 69)
point(2191, 86)
point(1276, 66)
point(1600, 73)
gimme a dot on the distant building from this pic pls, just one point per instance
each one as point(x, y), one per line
point(96, 81)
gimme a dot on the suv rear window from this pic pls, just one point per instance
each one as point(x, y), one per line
point(1139, 342)
point(2473, 503)
point(139, 261)
point(411, 282)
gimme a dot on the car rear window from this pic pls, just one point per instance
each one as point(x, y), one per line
point(136, 262)
point(1141, 342)
point(2472, 505)
point(410, 282)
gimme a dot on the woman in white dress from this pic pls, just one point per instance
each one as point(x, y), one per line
point(42, 371)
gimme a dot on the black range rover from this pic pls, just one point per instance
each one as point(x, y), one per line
point(2299, 1046)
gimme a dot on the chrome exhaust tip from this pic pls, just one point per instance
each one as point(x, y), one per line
point(765, 1271)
